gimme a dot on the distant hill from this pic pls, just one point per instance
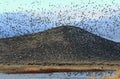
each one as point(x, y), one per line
point(20, 23)
point(61, 44)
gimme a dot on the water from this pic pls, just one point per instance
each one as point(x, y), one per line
point(59, 75)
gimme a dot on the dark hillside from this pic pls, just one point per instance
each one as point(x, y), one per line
point(61, 44)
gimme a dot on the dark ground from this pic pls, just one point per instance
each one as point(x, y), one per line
point(61, 44)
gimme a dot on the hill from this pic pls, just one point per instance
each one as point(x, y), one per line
point(57, 45)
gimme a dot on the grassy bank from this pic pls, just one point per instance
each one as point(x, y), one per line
point(60, 67)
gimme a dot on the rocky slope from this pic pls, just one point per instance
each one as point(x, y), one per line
point(61, 44)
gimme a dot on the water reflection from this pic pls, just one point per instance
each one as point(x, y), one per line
point(59, 75)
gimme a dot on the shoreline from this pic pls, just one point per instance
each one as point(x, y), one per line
point(27, 69)
point(36, 69)
point(60, 67)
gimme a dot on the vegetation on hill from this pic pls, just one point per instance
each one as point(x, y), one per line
point(61, 44)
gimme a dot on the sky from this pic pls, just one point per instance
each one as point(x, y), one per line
point(21, 5)
point(104, 13)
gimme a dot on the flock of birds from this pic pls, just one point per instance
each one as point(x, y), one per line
point(104, 21)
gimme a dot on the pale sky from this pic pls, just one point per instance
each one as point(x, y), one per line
point(21, 5)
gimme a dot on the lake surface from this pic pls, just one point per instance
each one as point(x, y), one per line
point(59, 75)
